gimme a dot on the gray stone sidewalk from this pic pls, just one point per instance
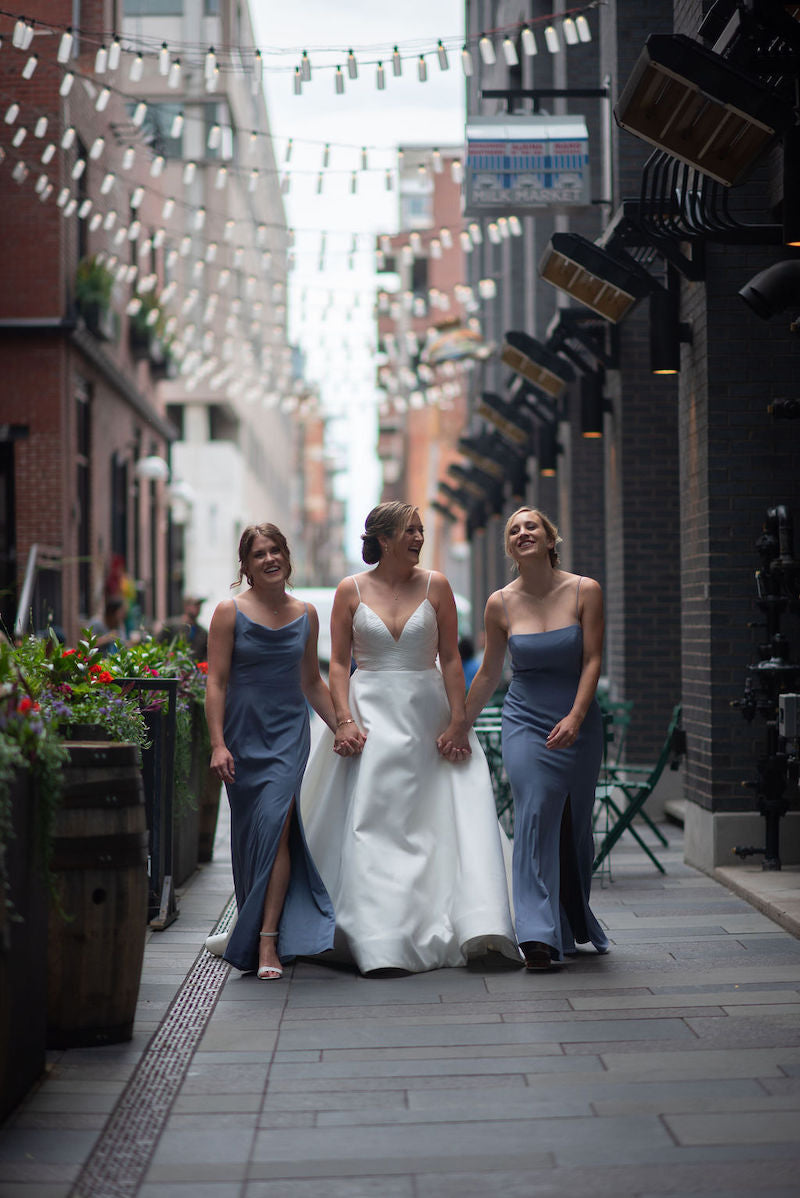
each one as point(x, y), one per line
point(670, 1066)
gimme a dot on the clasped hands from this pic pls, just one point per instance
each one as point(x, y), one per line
point(348, 739)
point(453, 744)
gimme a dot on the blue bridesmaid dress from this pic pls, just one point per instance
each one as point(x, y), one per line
point(267, 732)
point(553, 792)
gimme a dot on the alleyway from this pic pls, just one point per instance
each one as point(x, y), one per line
point(671, 1066)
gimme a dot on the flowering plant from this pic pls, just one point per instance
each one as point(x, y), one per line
point(28, 741)
point(77, 686)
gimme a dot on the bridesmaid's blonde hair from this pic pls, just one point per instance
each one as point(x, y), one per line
point(548, 526)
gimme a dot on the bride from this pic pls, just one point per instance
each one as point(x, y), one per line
point(402, 824)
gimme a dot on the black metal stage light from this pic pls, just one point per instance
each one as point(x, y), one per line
point(774, 289)
point(529, 358)
point(667, 333)
point(444, 510)
point(548, 450)
point(593, 405)
point(687, 100)
point(608, 284)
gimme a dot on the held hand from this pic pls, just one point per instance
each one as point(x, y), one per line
point(349, 740)
point(222, 764)
point(565, 733)
point(453, 744)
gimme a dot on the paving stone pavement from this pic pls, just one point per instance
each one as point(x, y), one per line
point(670, 1066)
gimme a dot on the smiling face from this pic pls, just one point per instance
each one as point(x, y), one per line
point(267, 560)
point(406, 544)
point(529, 535)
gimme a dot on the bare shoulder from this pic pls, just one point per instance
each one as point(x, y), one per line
point(346, 596)
point(439, 586)
point(224, 614)
point(313, 615)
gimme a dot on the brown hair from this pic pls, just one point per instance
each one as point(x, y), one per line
point(547, 524)
point(246, 544)
point(385, 520)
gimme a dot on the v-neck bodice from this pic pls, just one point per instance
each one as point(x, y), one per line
point(374, 647)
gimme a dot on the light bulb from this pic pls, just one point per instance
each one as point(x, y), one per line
point(30, 66)
point(570, 31)
point(338, 82)
point(510, 52)
point(66, 84)
point(176, 128)
point(352, 65)
point(168, 209)
point(114, 54)
point(441, 54)
point(128, 158)
point(163, 59)
point(107, 184)
point(305, 67)
point(551, 39)
point(65, 47)
point(486, 48)
point(98, 145)
point(102, 100)
point(380, 77)
point(422, 68)
point(174, 77)
point(582, 25)
point(139, 113)
point(397, 62)
point(40, 127)
point(467, 65)
point(529, 46)
point(101, 61)
point(137, 69)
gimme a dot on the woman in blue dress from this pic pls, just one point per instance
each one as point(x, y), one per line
point(262, 667)
point(551, 622)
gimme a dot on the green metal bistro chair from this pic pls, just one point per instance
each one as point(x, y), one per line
point(626, 789)
point(488, 729)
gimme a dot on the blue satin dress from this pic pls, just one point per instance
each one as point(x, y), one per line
point(553, 792)
point(267, 732)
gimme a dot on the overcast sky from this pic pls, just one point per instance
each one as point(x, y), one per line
point(331, 308)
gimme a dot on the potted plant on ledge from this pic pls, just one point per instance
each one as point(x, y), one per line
point(94, 283)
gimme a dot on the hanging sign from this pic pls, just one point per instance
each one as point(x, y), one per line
point(516, 164)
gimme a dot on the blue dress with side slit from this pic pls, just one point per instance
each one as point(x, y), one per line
point(553, 792)
point(267, 732)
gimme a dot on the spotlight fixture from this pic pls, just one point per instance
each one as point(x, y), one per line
point(666, 330)
point(528, 357)
point(593, 405)
point(687, 100)
point(511, 420)
point(608, 284)
point(548, 450)
point(791, 187)
point(774, 289)
point(475, 482)
point(457, 495)
point(444, 510)
point(476, 450)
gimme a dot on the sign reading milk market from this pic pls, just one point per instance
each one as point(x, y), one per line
point(522, 163)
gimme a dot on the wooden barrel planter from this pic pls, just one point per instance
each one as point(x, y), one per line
point(23, 953)
point(99, 860)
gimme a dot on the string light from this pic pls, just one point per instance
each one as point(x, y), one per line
point(397, 62)
point(102, 100)
point(486, 47)
point(174, 77)
point(457, 171)
point(139, 113)
point(305, 67)
point(338, 81)
point(441, 54)
point(510, 52)
point(352, 65)
point(19, 137)
point(108, 182)
point(101, 61)
point(41, 127)
point(551, 39)
point(30, 66)
point(163, 59)
point(114, 54)
point(514, 226)
point(65, 46)
point(380, 77)
point(422, 68)
point(68, 137)
point(467, 65)
point(582, 25)
point(570, 31)
point(137, 69)
point(298, 82)
point(48, 152)
point(137, 197)
point(98, 145)
point(176, 128)
point(157, 166)
point(66, 84)
point(128, 158)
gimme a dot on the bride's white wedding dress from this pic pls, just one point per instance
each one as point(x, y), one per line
point(407, 843)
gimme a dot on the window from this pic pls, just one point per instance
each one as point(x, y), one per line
point(157, 127)
point(153, 8)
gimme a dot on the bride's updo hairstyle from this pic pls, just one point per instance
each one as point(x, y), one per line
point(548, 526)
point(385, 520)
point(246, 544)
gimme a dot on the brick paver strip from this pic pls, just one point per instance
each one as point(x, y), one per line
point(122, 1154)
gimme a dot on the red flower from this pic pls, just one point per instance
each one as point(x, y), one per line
point(104, 676)
point(25, 704)
point(95, 669)
point(202, 667)
point(68, 653)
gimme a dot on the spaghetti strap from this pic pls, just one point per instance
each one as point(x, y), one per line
point(428, 587)
point(578, 596)
point(355, 583)
point(505, 609)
